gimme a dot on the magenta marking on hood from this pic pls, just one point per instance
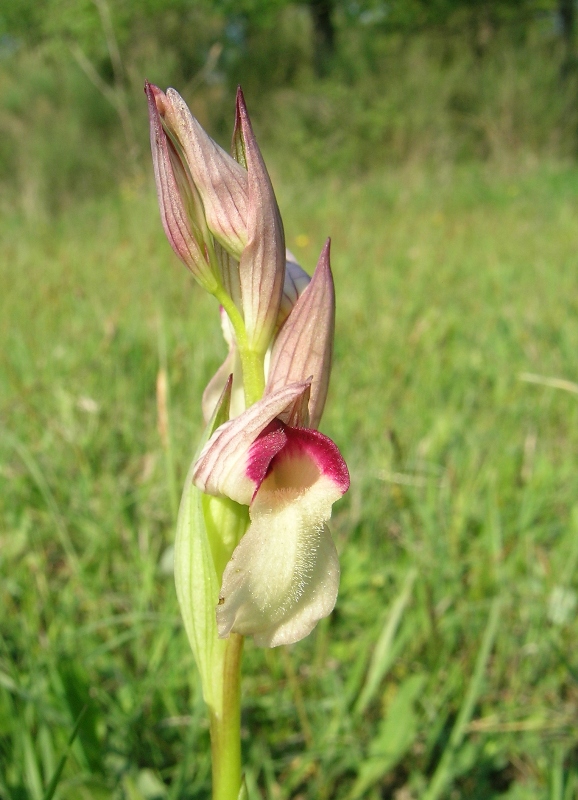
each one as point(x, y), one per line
point(322, 450)
point(270, 441)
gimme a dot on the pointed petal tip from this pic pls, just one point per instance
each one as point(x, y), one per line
point(148, 90)
point(222, 408)
point(262, 263)
point(224, 401)
point(155, 97)
point(242, 121)
point(304, 345)
point(324, 261)
point(240, 105)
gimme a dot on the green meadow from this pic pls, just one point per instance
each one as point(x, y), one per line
point(448, 668)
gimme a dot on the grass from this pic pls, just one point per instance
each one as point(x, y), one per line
point(448, 669)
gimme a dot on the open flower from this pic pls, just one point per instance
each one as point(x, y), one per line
point(283, 576)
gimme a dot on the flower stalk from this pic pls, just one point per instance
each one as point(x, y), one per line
point(252, 361)
point(253, 552)
point(225, 726)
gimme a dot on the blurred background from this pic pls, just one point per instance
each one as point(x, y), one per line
point(334, 86)
point(437, 143)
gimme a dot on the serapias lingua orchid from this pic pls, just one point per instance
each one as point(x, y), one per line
point(253, 553)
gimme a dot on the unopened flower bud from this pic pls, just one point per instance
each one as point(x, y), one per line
point(179, 202)
point(220, 180)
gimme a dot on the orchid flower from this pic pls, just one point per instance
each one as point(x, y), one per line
point(284, 574)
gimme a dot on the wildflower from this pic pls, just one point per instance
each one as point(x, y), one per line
point(253, 553)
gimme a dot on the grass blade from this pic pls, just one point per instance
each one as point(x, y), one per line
point(32, 777)
point(444, 772)
point(382, 655)
point(42, 484)
point(554, 383)
point(51, 788)
point(395, 735)
point(164, 420)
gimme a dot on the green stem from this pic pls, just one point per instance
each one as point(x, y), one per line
point(253, 375)
point(226, 722)
point(252, 361)
point(226, 726)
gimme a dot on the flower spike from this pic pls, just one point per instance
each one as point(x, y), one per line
point(253, 553)
point(304, 346)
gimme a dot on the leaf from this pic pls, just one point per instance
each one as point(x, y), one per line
point(243, 795)
point(382, 657)
point(448, 766)
point(32, 777)
point(196, 578)
point(198, 589)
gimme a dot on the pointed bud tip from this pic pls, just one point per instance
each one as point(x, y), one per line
point(242, 118)
point(242, 121)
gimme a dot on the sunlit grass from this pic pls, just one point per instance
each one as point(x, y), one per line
point(458, 539)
